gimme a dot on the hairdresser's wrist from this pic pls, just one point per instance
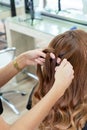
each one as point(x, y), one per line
point(19, 62)
point(58, 89)
point(55, 93)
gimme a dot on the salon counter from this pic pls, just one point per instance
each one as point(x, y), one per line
point(21, 32)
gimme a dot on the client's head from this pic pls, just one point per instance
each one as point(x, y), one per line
point(71, 109)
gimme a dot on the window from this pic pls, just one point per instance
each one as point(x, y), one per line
point(5, 2)
point(75, 4)
point(74, 11)
point(52, 5)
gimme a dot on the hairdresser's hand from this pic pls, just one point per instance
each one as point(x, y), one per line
point(34, 57)
point(64, 75)
point(31, 57)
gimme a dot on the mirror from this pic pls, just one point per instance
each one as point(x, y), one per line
point(73, 11)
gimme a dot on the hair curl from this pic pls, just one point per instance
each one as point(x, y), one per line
point(71, 109)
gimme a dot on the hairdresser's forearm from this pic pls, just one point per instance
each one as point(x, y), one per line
point(34, 117)
point(32, 57)
point(43, 108)
point(6, 73)
point(9, 71)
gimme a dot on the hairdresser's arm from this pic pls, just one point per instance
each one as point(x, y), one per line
point(28, 58)
point(32, 119)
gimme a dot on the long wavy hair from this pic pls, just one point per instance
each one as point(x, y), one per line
point(70, 111)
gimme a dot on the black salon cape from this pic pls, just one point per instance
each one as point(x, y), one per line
point(1, 107)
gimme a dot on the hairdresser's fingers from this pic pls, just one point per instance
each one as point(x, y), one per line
point(52, 55)
point(40, 61)
point(39, 53)
point(68, 65)
point(66, 72)
point(58, 60)
point(69, 69)
point(63, 63)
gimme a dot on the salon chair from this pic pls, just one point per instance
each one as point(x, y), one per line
point(6, 55)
